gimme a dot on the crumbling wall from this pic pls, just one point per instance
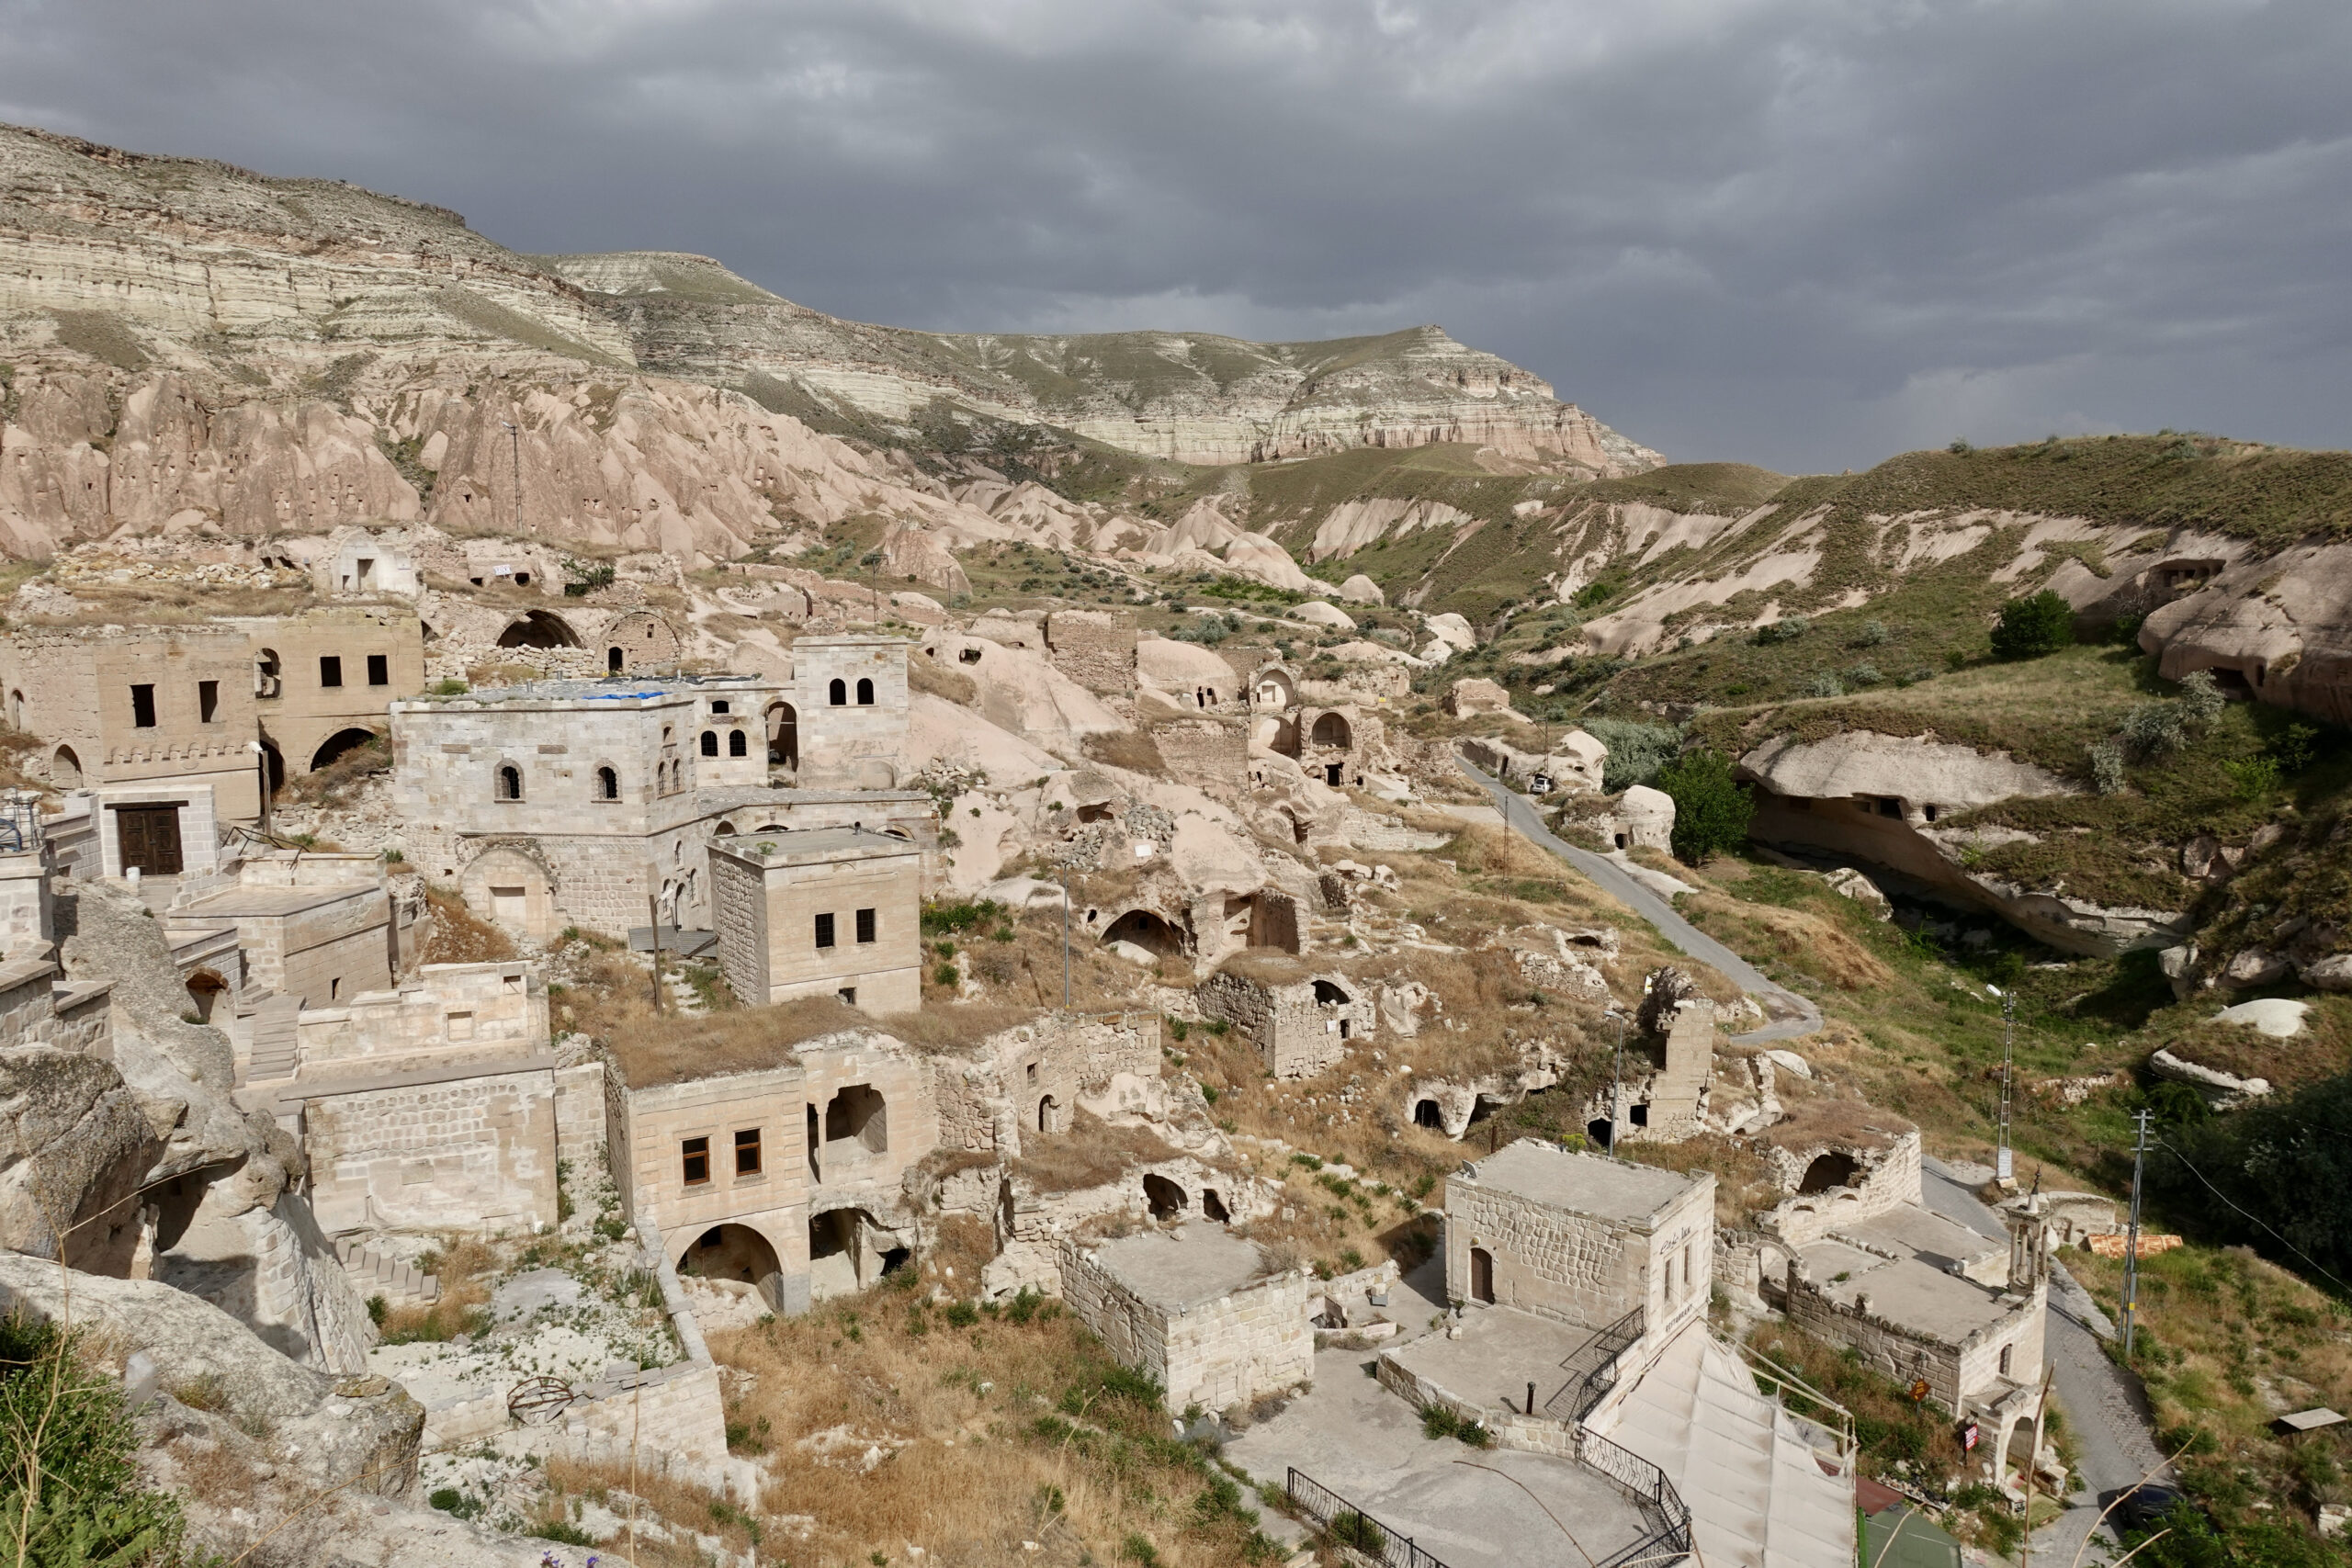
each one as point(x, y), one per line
point(1094, 647)
point(1205, 752)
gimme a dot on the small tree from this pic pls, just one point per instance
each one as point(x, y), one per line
point(2031, 627)
point(1711, 808)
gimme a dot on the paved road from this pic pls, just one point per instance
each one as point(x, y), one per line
point(1790, 1014)
point(2104, 1403)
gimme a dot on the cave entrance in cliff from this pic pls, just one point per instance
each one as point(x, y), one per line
point(1832, 1170)
point(783, 735)
point(1427, 1114)
point(538, 630)
point(204, 992)
point(1146, 931)
point(1213, 1207)
point(1164, 1198)
point(1600, 1134)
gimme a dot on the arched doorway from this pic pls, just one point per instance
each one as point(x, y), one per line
point(269, 679)
point(1832, 1170)
point(1147, 931)
point(614, 660)
point(205, 990)
point(783, 735)
point(273, 764)
point(538, 630)
point(342, 743)
point(15, 710)
point(1332, 730)
point(1481, 1275)
point(734, 1252)
point(65, 768)
point(1049, 1115)
point(1164, 1198)
point(1427, 1114)
point(1599, 1132)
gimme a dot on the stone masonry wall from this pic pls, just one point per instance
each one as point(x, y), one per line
point(484, 1147)
point(738, 913)
point(1560, 1265)
point(1204, 751)
point(1241, 1346)
point(1094, 647)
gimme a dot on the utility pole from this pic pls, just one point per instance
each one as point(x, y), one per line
point(2004, 1159)
point(2132, 1237)
point(1064, 880)
point(1617, 1085)
point(515, 434)
point(654, 913)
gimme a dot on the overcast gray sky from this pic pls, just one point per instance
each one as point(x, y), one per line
point(1805, 233)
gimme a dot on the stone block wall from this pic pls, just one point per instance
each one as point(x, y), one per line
point(27, 922)
point(416, 1154)
point(1094, 647)
point(1580, 1267)
point(580, 1122)
point(38, 1009)
point(199, 827)
point(1297, 1034)
point(451, 1011)
point(72, 688)
point(1204, 751)
point(649, 1128)
point(1959, 1373)
point(1230, 1350)
point(738, 913)
point(1886, 1178)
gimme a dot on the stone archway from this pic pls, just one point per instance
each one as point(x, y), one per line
point(1834, 1168)
point(342, 743)
point(538, 628)
point(205, 990)
point(513, 889)
point(1153, 934)
point(730, 1251)
point(1164, 1198)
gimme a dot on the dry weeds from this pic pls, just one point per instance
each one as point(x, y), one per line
point(454, 934)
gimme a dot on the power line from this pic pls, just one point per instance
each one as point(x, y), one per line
point(2226, 1199)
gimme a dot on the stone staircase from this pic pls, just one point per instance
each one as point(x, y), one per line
point(373, 1274)
point(277, 1048)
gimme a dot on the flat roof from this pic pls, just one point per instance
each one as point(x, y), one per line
point(610, 689)
point(1916, 1295)
point(268, 901)
point(1195, 1262)
point(1585, 1184)
point(809, 845)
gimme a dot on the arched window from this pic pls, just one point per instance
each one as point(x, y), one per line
point(267, 678)
point(736, 745)
point(608, 785)
point(864, 693)
point(510, 782)
point(710, 743)
point(838, 693)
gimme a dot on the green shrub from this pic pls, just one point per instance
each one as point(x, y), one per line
point(1825, 684)
point(378, 1310)
point(1438, 1421)
point(1863, 674)
point(1712, 809)
point(1351, 1529)
point(70, 1495)
point(2154, 729)
point(2254, 776)
point(2030, 627)
point(563, 1531)
point(2106, 766)
point(2200, 698)
point(1871, 634)
point(1788, 628)
point(1636, 750)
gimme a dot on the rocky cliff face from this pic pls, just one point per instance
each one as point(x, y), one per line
point(1195, 398)
point(185, 343)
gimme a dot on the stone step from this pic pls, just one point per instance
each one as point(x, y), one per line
point(373, 1274)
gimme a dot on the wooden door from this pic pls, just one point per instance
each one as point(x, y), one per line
point(1481, 1275)
point(150, 839)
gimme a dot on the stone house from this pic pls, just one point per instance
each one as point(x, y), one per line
point(1669, 1062)
point(576, 801)
point(314, 927)
point(833, 911)
point(440, 1104)
point(360, 564)
point(323, 681)
point(1581, 1237)
point(787, 1173)
point(1202, 1312)
point(1301, 1021)
point(163, 706)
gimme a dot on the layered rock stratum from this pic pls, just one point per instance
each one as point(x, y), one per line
point(184, 342)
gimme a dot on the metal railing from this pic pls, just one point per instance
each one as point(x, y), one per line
point(1833, 1416)
point(1662, 1507)
point(1592, 1369)
point(1352, 1527)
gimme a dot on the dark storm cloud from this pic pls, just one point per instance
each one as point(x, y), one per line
point(1803, 234)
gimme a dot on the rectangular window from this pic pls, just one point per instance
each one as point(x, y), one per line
point(207, 701)
point(696, 1162)
point(379, 668)
point(143, 707)
point(824, 931)
point(330, 670)
point(747, 1152)
point(865, 925)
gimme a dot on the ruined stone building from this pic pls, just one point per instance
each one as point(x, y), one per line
point(1206, 1315)
point(1094, 647)
point(561, 803)
point(1300, 1019)
point(233, 708)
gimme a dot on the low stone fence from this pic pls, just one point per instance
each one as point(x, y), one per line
point(673, 1410)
